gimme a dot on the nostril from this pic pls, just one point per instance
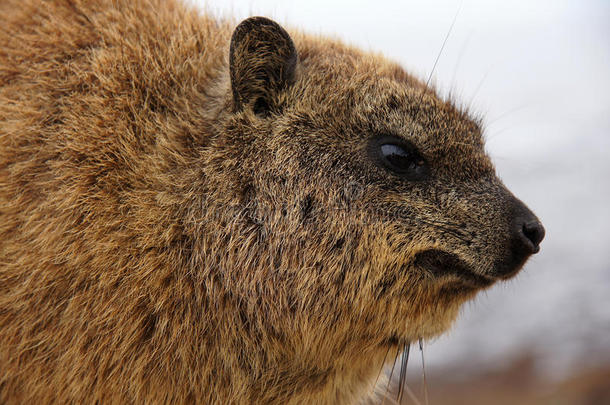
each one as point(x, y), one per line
point(534, 232)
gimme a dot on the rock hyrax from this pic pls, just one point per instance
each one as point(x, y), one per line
point(193, 212)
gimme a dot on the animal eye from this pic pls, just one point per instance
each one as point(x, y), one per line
point(400, 157)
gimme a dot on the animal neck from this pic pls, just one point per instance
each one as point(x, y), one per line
point(279, 373)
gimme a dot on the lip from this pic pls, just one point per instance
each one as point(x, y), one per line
point(508, 266)
point(440, 263)
point(503, 270)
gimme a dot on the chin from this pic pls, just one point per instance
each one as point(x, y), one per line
point(438, 309)
point(442, 316)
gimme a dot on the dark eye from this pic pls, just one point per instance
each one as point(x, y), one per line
point(400, 157)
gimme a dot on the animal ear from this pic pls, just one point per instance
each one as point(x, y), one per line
point(262, 62)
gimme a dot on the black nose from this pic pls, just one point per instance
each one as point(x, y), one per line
point(526, 233)
point(531, 233)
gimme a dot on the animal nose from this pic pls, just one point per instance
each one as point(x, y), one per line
point(530, 233)
point(525, 234)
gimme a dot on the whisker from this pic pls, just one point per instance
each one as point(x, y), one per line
point(438, 56)
point(423, 367)
point(401, 379)
point(495, 134)
point(442, 47)
point(478, 88)
point(391, 374)
point(505, 114)
point(403, 372)
point(459, 59)
point(382, 364)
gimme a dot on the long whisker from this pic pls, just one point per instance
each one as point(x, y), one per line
point(403, 372)
point(382, 364)
point(489, 123)
point(438, 56)
point(476, 90)
point(443, 46)
point(423, 367)
point(391, 374)
point(459, 59)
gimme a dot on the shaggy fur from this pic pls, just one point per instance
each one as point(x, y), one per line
point(186, 219)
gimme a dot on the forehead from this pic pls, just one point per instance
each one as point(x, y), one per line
point(356, 86)
point(361, 95)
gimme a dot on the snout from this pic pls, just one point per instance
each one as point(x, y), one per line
point(526, 233)
point(530, 232)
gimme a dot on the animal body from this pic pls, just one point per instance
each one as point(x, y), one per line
point(194, 212)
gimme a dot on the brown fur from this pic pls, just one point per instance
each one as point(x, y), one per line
point(179, 226)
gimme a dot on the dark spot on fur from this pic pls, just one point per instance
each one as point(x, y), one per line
point(149, 326)
point(89, 339)
point(167, 281)
point(292, 302)
point(261, 107)
point(393, 103)
point(107, 371)
point(281, 180)
point(53, 120)
point(339, 244)
point(248, 193)
point(319, 266)
point(389, 239)
point(115, 284)
point(341, 276)
point(191, 398)
point(252, 47)
point(306, 208)
point(304, 122)
point(392, 341)
point(243, 317)
point(277, 258)
point(386, 284)
point(156, 105)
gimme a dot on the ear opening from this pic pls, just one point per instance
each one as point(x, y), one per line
point(262, 62)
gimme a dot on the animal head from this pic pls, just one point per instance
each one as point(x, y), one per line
point(369, 209)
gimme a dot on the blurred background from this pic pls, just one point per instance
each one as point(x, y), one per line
point(539, 74)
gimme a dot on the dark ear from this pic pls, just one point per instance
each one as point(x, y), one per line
point(262, 63)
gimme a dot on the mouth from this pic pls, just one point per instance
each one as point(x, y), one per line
point(442, 264)
point(509, 266)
